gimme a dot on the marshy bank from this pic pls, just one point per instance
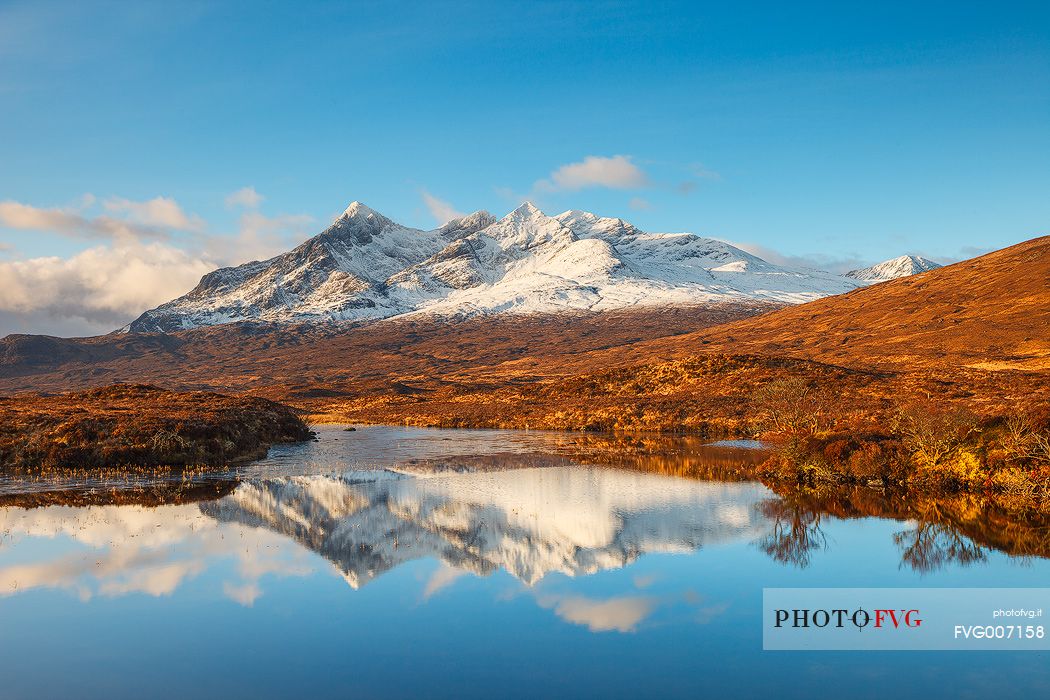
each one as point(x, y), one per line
point(912, 451)
point(921, 446)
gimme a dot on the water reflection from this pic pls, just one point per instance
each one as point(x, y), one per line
point(507, 507)
point(795, 534)
point(930, 546)
point(957, 530)
point(528, 522)
point(112, 551)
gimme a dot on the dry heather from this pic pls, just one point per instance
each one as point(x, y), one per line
point(140, 426)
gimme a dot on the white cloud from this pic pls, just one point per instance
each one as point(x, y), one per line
point(442, 211)
point(817, 261)
point(644, 581)
point(702, 172)
point(30, 218)
point(135, 549)
point(616, 172)
point(137, 268)
point(245, 197)
point(706, 615)
point(155, 581)
point(639, 204)
point(442, 578)
point(105, 286)
point(246, 594)
point(159, 211)
point(71, 223)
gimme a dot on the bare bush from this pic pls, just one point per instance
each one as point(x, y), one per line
point(933, 431)
point(790, 405)
point(1041, 447)
point(1022, 440)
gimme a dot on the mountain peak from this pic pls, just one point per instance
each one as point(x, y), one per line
point(365, 267)
point(359, 209)
point(904, 266)
point(577, 214)
point(469, 223)
point(920, 261)
point(358, 223)
point(527, 210)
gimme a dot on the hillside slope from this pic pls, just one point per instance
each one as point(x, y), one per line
point(991, 312)
point(975, 332)
point(305, 362)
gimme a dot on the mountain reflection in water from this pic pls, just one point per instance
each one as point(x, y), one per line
point(529, 522)
point(404, 494)
point(526, 514)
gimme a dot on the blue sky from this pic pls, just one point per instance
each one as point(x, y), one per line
point(834, 133)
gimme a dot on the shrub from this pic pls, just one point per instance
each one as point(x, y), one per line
point(962, 471)
point(931, 431)
point(1026, 437)
point(879, 460)
point(790, 405)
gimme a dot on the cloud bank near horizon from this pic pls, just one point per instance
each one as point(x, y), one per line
point(142, 254)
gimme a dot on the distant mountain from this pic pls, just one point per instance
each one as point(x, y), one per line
point(365, 266)
point(904, 266)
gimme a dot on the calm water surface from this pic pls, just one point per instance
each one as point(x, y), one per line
point(404, 563)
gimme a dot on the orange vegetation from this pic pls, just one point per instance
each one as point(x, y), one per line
point(140, 426)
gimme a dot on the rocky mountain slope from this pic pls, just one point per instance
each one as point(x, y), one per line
point(366, 267)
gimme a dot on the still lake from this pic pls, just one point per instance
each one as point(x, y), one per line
point(398, 562)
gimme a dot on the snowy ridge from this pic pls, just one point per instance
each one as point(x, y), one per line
point(904, 266)
point(365, 266)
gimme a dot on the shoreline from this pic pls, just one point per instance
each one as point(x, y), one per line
point(132, 429)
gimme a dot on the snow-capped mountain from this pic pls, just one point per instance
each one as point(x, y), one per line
point(365, 266)
point(340, 273)
point(904, 266)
